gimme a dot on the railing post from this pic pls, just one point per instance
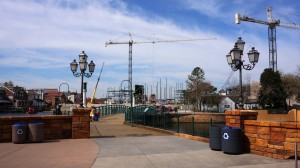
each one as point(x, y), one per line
point(193, 126)
point(145, 118)
point(164, 120)
point(177, 123)
point(153, 118)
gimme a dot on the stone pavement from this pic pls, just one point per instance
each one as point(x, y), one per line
point(130, 147)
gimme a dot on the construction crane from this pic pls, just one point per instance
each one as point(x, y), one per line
point(130, 42)
point(95, 89)
point(272, 23)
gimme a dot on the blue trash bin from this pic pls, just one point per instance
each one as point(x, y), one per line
point(232, 140)
point(19, 133)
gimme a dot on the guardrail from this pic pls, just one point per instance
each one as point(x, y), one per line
point(172, 121)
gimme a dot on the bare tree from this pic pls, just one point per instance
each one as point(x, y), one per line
point(254, 90)
point(298, 71)
point(291, 83)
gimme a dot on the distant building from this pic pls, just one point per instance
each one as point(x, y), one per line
point(226, 104)
point(20, 97)
point(53, 97)
point(72, 97)
point(5, 103)
point(16, 95)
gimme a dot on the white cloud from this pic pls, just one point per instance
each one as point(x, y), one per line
point(45, 37)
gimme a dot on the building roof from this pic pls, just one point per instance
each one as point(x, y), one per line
point(53, 94)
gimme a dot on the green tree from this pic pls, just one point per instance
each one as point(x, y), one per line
point(197, 88)
point(271, 93)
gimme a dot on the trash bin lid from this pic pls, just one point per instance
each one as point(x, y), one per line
point(19, 124)
point(36, 123)
point(234, 128)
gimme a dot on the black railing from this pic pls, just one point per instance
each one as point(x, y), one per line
point(158, 118)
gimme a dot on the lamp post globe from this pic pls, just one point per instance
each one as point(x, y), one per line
point(83, 64)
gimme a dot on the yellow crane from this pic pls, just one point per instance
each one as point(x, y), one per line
point(130, 42)
point(272, 23)
point(95, 89)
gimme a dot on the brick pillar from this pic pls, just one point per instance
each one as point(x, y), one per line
point(236, 118)
point(81, 123)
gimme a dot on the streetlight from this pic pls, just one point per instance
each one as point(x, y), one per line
point(83, 66)
point(234, 59)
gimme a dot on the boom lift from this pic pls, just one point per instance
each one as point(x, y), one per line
point(272, 23)
point(130, 42)
point(95, 89)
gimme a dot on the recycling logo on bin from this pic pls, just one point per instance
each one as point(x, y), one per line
point(19, 131)
point(225, 135)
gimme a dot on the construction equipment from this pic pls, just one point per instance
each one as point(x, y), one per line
point(130, 42)
point(95, 89)
point(272, 23)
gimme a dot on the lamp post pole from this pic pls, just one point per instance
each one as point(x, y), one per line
point(83, 66)
point(241, 98)
point(234, 60)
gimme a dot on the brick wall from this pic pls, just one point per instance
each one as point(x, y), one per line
point(273, 139)
point(267, 138)
point(55, 127)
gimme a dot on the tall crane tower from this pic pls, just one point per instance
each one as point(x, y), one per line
point(272, 23)
point(130, 42)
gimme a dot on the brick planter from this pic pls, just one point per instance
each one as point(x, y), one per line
point(236, 118)
point(266, 138)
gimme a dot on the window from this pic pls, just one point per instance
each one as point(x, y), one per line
point(226, 106)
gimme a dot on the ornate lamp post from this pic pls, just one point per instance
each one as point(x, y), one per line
point(83, 66)
point(234, 59)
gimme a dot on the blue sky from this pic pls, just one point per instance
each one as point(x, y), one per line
point(40, 38)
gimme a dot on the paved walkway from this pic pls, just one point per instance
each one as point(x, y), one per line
point(113, 127)
point(67, 153)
